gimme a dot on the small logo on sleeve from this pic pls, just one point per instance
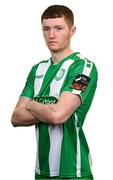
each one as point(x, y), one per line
point(80, 82)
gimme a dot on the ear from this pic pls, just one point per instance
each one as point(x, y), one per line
point(72, 31)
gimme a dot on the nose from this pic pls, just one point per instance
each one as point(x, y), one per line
point(52, 34)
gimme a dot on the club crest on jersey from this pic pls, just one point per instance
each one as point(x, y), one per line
point(60, 74)
point(80, 82)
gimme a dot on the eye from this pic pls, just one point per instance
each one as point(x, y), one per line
point(45, 29)
point(59, 28)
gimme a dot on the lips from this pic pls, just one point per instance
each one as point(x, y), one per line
point(50, 42)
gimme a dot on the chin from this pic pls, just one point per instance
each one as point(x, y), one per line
point(54, 50)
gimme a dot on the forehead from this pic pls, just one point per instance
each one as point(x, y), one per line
point(54, 22)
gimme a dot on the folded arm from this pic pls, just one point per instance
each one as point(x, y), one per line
point(21, 116)
point(55, 113)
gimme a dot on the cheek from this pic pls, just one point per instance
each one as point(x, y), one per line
point(45, 37)
point(65, 37)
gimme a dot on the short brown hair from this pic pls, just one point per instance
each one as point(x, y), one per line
point(58, 11)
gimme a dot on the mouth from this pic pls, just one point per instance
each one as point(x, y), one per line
point(52, 42)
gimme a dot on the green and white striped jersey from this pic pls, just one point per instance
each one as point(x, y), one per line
point(62, 149)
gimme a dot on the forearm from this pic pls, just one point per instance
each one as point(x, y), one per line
point(55, 113)
point(44, 113)
point(22, 117)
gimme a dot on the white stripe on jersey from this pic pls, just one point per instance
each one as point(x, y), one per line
point(37, 156)
point(56, 135)
point(57, 84)
point(41, 71)
point(87, 70)
point(90, 160)
point(78, 149)
point(78, 154)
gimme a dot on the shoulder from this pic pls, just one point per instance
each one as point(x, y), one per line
point(83, 62)
point(88, 67)
point(82, 66)
point(35, 66)
point(41, 62)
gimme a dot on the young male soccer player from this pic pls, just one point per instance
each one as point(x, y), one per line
point(56, 98)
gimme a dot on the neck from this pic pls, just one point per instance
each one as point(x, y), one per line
point(58, 56)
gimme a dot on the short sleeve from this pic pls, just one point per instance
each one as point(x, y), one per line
point(28, 90)
point(82, 79)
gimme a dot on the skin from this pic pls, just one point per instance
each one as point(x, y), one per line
point(57, 34)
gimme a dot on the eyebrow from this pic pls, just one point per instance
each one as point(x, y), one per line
point(53, 26)
point(46, 26)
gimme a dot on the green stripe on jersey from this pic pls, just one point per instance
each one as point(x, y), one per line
point(44, 144)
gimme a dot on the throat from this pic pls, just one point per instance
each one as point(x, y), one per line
point(59, 56)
